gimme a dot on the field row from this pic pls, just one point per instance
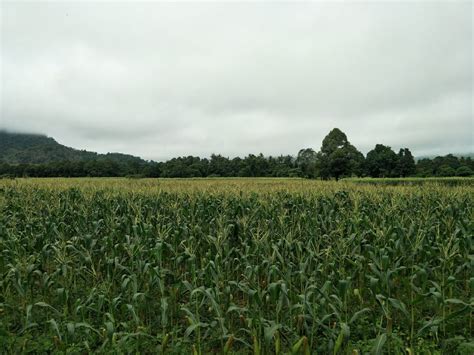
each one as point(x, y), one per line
point(233, 265)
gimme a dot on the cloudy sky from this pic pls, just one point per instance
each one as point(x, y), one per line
point(160, 80)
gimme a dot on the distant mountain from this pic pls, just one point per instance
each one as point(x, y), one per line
point(20, 148)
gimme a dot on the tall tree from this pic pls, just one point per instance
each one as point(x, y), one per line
point(381, 162)
point(338, 157)
point(306, 162)
point(406, 163)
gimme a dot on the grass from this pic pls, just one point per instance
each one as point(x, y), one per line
point(235, 266)
point(452, 181)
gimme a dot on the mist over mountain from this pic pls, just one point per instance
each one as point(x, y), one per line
point(22, 148)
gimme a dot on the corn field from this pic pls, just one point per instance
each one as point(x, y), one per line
point(250, 266)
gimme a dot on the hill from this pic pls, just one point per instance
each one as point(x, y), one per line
point(20, 148)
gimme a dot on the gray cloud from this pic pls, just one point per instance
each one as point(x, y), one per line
point(166, 79)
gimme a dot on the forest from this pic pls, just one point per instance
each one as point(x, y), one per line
point(336, 159)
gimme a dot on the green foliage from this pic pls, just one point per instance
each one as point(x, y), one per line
point(442, 181)
point(307, 163)
point(405, 163)
point(234, 266)
point(16, 148)
point(464, 171)
point(338, 158)
point(446, 170)
point(381, 161)
point(24, 155)
point(445, 166)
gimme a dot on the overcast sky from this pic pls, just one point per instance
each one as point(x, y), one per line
point(160, 80)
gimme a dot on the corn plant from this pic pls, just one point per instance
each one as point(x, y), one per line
point(260, 266)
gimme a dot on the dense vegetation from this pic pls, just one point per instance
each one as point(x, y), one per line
point(34, 149)
point(40, 156)
point(235, 265)
point(412, 181)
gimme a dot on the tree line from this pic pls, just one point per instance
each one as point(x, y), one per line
point(336, 159)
